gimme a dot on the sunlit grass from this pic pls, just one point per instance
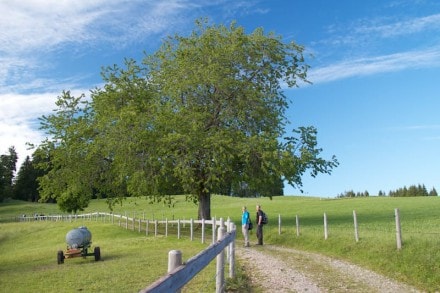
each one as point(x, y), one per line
point(134, 260)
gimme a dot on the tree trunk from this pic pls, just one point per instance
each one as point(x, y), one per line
point(205, 205)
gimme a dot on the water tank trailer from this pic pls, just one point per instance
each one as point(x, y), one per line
point(78, 242)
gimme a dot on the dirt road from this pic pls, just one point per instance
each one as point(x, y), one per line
point(278, 269)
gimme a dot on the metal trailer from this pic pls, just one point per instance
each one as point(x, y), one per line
point(78, 241)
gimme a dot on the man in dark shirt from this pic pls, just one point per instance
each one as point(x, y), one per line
point(259, 221)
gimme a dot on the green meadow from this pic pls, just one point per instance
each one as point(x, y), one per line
point(132, 260)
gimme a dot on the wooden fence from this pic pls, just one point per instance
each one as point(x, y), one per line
point(178, 273)
point(141, 224)
point(152, 226)
point(355, 225)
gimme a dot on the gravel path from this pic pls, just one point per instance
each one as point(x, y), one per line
point(279, 269)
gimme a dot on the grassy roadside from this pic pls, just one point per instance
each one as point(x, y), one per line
point(129, 263)
point(32, 248)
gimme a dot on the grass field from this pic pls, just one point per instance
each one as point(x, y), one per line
point(131, 260)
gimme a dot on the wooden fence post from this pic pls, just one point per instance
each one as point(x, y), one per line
point(203, 231)
point(398, 229)
point(231, 253)
point(356, 232)
point(220, 275)
point(174, 261)
point(214, 228)
point(297, 225)
point(325, 227)
point(192, 229)
point(132, 221)
point(228, 248)
point(279, 224)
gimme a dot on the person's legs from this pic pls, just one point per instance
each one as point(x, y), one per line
point(245, 231)
point(246, 240)
point(260, 234)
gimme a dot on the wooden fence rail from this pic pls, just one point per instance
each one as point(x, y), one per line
point(180, 274)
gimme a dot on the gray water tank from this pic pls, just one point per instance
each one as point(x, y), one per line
point(78, 237)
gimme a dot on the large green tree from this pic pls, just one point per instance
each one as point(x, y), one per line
point(222, 97)
point(204, 110)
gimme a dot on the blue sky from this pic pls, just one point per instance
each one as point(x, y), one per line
point(375, 66)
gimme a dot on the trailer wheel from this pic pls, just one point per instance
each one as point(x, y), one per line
point(60, 257)
point(97, 253)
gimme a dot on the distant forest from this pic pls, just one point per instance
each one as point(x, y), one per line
point(413, 190)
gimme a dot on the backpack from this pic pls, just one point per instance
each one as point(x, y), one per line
point(250, 226)
point(264, 219)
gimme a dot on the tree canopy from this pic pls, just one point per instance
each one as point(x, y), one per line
point(203, 112)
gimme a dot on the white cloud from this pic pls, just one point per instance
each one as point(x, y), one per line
point(18, 135)
point(34, 25)
point(399, 28)
point(371, 30)
point(21, 107)
point(29, 25)
point(31, 30)
point(373, 65)
point(19, 122)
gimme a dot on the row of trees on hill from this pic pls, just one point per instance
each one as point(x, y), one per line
point(413, 190)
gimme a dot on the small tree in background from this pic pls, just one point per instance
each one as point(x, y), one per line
point(8, 164)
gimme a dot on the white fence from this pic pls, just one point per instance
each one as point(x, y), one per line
point(156, 227)
point(355, 225)
point(148, 225)
point(178, 274)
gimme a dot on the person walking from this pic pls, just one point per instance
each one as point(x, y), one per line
point(245, 221)
point(259, 221)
